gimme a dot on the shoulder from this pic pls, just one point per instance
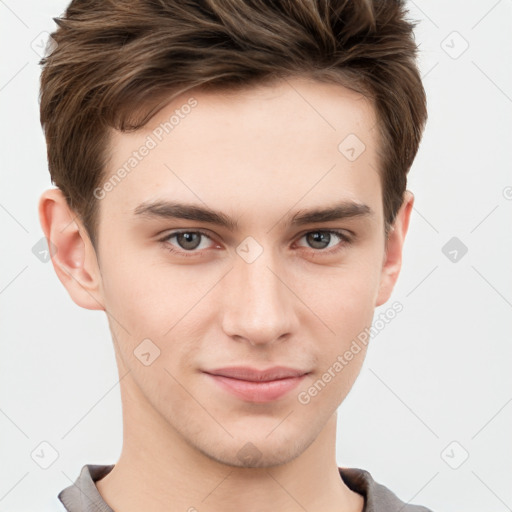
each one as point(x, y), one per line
point(378, 498)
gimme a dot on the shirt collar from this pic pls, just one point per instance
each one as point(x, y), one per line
point(83, 495)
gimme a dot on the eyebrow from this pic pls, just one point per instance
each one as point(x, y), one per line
point(176, 210)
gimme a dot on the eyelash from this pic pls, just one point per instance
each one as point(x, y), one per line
point(345, 240)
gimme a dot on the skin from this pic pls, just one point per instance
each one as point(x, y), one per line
point(259, 156)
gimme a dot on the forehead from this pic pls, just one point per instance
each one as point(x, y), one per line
point(267, 148)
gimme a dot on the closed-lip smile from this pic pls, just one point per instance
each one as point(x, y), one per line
point(255, 385)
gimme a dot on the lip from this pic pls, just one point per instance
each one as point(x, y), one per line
point(257, 385)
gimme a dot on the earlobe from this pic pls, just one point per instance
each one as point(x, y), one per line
point(73, 256)
point(392, 262)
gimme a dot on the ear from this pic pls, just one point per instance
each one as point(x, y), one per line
point(392, 262)
point(72, 253)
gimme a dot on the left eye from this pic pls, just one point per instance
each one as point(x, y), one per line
point(321, 239)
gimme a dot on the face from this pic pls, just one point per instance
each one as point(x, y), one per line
point(211, 256)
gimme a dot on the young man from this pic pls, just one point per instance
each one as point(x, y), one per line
point(232, 193)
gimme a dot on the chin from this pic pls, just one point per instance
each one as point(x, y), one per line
point(255, 451)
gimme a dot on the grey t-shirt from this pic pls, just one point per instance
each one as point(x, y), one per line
point(83, 496)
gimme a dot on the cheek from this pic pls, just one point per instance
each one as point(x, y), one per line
point(156, 302)
point(136, 303)
point(343, 297)
point(347, 310)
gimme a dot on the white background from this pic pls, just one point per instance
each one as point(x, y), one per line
point(438, 373)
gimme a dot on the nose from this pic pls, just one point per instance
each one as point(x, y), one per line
point(259, 306)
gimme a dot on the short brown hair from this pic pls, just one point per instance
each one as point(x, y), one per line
point(112, 55)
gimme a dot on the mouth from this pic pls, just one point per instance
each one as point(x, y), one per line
point(258, 386)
